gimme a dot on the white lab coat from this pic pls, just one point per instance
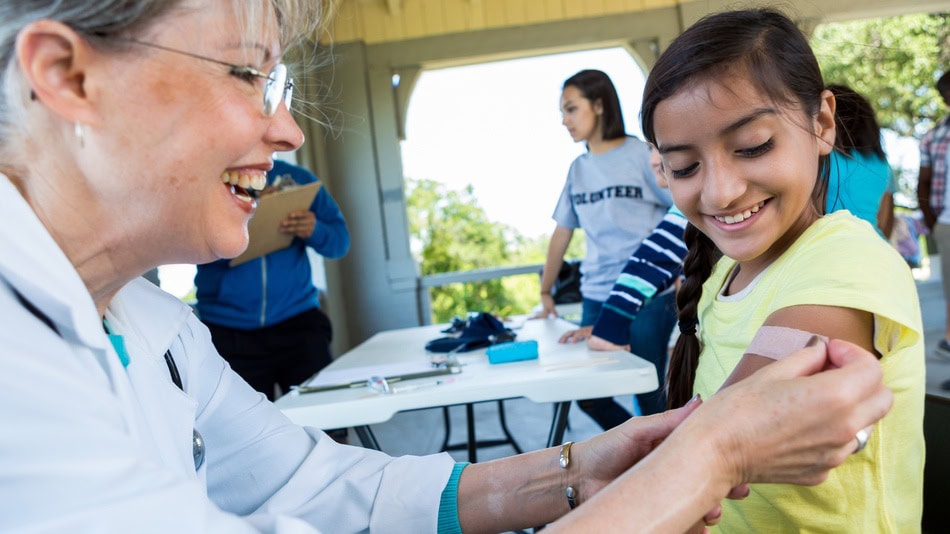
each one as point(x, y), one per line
point(89, 446)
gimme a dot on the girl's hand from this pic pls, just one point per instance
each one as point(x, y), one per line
point(713, 516)
point(599, 343)
point(547, 307)
point(573, 336)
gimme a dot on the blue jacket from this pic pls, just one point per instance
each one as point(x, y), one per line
point(271, 289)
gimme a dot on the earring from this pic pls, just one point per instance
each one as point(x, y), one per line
point(80, 130)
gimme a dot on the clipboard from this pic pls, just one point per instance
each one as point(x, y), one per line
point(264, 228)
point(365, 382)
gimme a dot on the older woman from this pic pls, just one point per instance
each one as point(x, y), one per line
point(130, 132)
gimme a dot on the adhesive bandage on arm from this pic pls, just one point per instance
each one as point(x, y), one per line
point(777, 342)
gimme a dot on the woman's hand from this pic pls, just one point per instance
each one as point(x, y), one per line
point(794, 420)
point(494, 496)
point(606, 456)
point(573, 336)
point(790, 422)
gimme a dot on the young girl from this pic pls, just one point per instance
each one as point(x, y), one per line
point(612, 194)
point(737, 107)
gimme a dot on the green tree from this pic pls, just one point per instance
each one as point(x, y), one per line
point(452, 233)
point(893, 61)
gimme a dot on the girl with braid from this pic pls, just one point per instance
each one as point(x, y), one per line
point(738, 109)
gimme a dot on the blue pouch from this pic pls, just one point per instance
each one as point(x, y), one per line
point(513, 351)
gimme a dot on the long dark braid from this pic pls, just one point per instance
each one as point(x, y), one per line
point(701, 257)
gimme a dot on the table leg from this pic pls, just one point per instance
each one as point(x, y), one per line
point(472, 442)
point(504, 427)
point(448, 428)
point(367, 438)
point(559, 423)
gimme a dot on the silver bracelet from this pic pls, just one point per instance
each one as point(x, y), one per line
point(564, 460)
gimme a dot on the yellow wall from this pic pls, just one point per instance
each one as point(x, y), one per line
point(378, 21)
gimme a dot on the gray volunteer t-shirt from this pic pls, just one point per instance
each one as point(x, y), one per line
point(614, 197)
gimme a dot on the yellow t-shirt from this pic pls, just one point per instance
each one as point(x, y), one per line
point(838, 261)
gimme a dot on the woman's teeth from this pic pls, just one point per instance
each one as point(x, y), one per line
point(246, 181)
point(739, 217)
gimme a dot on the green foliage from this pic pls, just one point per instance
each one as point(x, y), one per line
point(452, 233)
point(535, 250)
point(453, 229)
point(191, 297)
point(895, 62)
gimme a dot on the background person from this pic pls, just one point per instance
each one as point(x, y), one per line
point(264, 314)
point(651, 270)
point(860, 176)
point(932, 198)
point(146, 426)
point(738, 108)
point(610, 193)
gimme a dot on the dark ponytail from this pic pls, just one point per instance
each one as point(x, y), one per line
point(697, 266)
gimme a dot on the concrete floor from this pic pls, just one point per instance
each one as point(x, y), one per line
point(422, 432)
point(934, 313)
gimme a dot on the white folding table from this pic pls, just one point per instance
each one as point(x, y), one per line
point(562, 373)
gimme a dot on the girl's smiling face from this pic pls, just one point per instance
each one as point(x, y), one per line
point(742, 167)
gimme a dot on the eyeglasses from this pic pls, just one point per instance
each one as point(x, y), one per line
point(277, 86)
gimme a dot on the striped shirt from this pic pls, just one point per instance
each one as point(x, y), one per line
point(933, 154)
point(651, 269)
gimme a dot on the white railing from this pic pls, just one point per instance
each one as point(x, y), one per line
point(458, 277)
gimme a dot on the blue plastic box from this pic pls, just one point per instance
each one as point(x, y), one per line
point(513, 351)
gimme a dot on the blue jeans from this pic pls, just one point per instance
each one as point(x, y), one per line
point(649, 339)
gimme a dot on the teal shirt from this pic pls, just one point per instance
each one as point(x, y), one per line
point(857, 183)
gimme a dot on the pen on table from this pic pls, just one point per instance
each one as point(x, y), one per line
point(317, 389)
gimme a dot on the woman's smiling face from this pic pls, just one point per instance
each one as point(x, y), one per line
point(741, 167)
point(179, 126)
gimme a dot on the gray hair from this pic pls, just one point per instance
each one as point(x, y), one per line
point(101, 21)
point(106, 17)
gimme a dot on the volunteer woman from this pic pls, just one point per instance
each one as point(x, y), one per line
point(612, 194)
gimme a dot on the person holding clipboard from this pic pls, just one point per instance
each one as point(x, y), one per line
point(263, 313)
